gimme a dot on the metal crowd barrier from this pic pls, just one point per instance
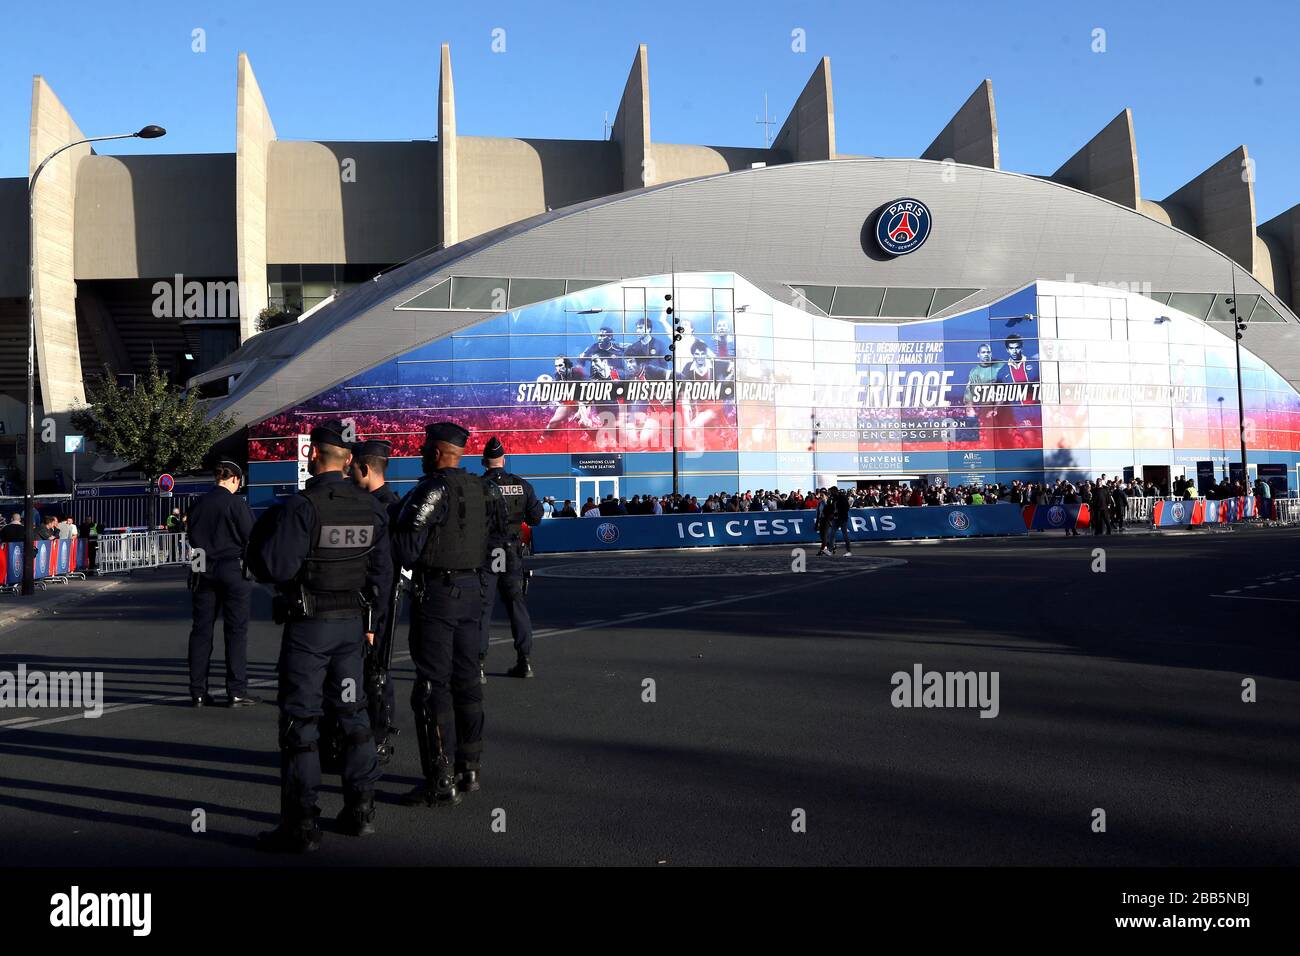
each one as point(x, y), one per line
point(1286, 510)
point(143, 549)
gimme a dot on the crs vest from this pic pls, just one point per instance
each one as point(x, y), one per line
point(461, 542)
point(513, 491)
point(335, 568)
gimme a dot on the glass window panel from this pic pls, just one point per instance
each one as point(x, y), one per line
point(318, 273)
point(693, 300)
point(1095, 307)
point(577, 285)
point(1161, 297)
point(527, 291)
point(946, 297)
point(1219, 310)
point(818, 295)
point(1265, 313)
point(478, 293)
point(857, 301)
point(907, 303)
point(439, 297)
point(1069, 306)
point(1195, 304)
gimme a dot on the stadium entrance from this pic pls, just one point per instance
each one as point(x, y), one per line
point(862, 482)
point(594, 488)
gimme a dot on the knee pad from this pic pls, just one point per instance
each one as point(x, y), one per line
point(299, 734)
point(421, 694)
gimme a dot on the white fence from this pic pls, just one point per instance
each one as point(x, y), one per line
point(143, 549)
point(1286, 510)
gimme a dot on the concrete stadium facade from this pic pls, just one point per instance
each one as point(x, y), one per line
point(300, 224)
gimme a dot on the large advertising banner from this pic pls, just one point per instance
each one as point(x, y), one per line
point(777, 527)
point(1033, 385)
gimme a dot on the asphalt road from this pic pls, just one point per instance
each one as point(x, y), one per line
point(1118, 690)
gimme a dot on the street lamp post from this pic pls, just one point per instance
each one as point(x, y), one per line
point(29, 526)
point(1238, 328)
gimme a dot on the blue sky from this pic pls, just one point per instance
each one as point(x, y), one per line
point(1201, 77)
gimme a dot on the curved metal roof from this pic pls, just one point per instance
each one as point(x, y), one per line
point(799, 223)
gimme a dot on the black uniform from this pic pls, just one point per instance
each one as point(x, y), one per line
point(838, 519)
point(219, 524)
point(379, 689)
point(521, 505)
point(383, 709)
point(444, 532)
point(328, 545)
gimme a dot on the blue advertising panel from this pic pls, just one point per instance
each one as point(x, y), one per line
point(776, 527)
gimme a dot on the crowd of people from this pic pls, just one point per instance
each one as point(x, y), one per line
point(1108, 494)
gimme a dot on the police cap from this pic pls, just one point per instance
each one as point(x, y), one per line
point(329, 433)
point(373, 448)
point(448, 432)
point(494, 448)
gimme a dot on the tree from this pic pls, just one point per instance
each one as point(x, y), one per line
point(152, 425)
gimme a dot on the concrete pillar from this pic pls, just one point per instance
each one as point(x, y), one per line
point(971, 136)
point(448, 181)
point(58, 358)
point(1282, 236)
point(631, 128)
point(254, 134)
point(1107, 165)
point(1221, 202)
point(808, 133)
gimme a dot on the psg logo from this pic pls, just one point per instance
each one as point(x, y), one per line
point(903, 226)
point(1177, 510)
point(1056, 516)
point(607, 533)
point(959, 520)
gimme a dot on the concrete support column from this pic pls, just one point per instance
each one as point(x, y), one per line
point(808, 133)
point(1107, 165)
point(631, 128)
point(448, 181)
point(58, 358)
point(971, 136)
point(254, 134)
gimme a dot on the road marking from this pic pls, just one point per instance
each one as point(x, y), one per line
point(718, 602)
point(1249, 597)
point(137, 703)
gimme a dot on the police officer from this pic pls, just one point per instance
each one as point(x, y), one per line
point(369, 468)
point(445, 531)
point(327, 551)
point(219, 524)
point(521, 505)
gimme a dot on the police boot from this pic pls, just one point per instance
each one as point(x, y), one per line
point(440, 791)
point(300, 835)
point(467, 781)
point(357, 818)
point(521, 669)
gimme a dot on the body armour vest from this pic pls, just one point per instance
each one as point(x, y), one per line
point(460, 544)
point(512, 490)
point(335, 568)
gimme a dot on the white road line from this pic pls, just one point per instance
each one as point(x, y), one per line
point(139, 702)
point(1248, 597)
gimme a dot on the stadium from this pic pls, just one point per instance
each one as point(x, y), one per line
point(840, 319)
